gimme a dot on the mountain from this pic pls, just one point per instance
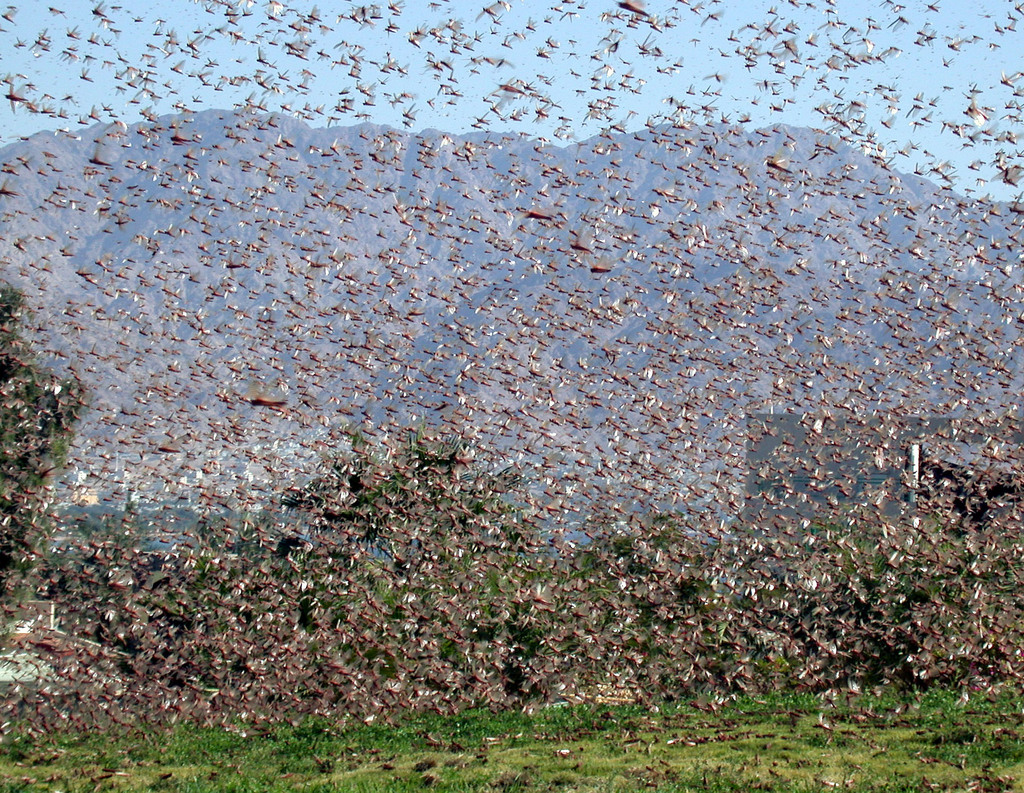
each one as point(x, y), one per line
point(236, 289)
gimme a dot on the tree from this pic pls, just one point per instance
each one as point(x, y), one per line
point(397, 503)
point(444, 588)
point(37, 414)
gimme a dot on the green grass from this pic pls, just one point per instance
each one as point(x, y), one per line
point(780, 743)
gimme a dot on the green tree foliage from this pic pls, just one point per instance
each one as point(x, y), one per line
point(911, 604)
point(37, 414)
point(418, 498)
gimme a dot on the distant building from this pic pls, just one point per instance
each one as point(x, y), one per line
point(85, 496)
point(807, 468)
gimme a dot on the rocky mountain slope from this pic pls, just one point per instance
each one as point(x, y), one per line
point(237, 289)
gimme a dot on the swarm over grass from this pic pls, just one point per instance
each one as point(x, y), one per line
point(939, 741)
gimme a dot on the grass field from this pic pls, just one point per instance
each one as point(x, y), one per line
point(784, 743)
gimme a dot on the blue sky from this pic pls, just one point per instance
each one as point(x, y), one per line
point(931, 85)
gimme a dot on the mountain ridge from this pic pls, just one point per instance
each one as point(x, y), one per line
point(630, 297)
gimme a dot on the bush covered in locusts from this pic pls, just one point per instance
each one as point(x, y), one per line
point(406, 577)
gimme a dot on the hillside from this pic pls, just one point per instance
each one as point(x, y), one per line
point(236, 289)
